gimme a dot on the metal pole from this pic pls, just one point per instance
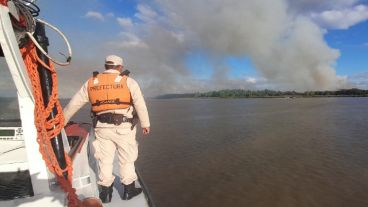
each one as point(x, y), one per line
point(46, 85)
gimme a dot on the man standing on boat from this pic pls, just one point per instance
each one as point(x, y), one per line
point(116, 101)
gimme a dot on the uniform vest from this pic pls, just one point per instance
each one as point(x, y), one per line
point(109, 91)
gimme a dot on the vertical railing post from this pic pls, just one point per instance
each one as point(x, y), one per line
point(46, 85)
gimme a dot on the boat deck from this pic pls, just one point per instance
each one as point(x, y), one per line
point(138, 201)
point(12, 162)
point(56, 199)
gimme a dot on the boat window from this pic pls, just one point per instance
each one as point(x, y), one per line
point(15, 180)
point(9, 110)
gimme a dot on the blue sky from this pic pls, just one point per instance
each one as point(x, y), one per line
point(171, 42)
point(353, 44)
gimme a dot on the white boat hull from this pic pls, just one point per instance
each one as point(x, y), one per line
point(46, 192)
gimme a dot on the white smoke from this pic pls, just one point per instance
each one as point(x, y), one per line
point(286, 47)
point(283, 43)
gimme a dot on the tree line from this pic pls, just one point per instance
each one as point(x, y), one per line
point(240, 93)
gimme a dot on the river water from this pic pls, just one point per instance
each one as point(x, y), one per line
point(302, 152)
point(310, 152)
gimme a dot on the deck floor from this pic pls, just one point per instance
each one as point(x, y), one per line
point(138, 201)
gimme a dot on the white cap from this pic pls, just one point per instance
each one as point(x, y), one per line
point(113, 60)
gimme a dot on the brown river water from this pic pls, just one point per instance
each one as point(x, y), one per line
point(302, 152)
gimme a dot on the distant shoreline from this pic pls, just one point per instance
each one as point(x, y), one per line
point(239, 93)
point(258, 97)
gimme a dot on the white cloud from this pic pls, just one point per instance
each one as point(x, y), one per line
point(95, 15)
point(128, 40)
point(145, 13)
point(359, 80)
point(124, 22)
point(251, 80)
point(110, 15)
point(307, 6)
point(342, 18)
point(179, 36)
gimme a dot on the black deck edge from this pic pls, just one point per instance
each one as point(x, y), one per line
point(10, 123)
point(146, 191)
point(10, 120)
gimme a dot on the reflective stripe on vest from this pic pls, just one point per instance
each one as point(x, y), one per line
point(108, 91)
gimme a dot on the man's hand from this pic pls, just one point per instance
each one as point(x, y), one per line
point(146, 130)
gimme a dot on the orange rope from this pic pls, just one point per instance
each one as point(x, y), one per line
point(48, 129)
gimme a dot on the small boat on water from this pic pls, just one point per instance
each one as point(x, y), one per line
point(41, 163)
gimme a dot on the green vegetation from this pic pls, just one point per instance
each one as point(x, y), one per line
point(239, 93)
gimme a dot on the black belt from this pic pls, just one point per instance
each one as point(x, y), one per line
point(115, 119)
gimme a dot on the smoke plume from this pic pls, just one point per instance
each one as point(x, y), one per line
point(285, 46)
point(279, 37)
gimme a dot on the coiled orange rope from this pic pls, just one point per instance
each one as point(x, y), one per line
point(49, 128)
